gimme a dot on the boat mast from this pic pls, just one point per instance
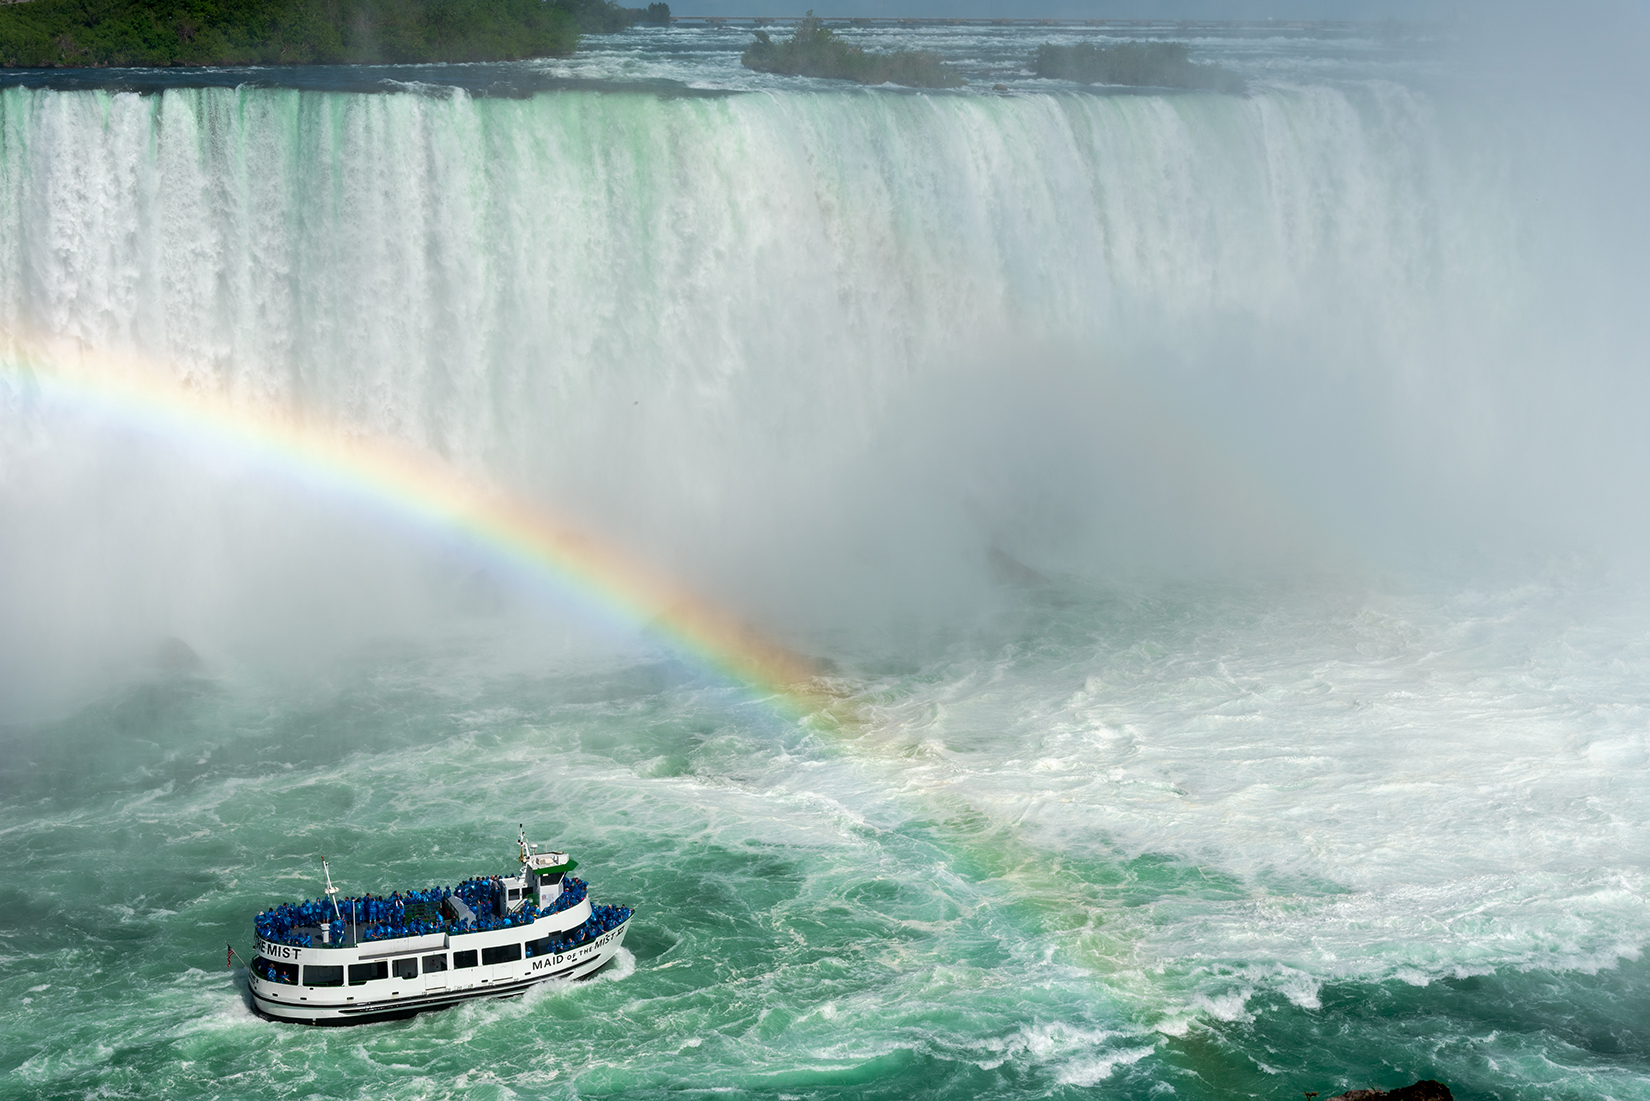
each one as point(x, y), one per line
point(332, 892)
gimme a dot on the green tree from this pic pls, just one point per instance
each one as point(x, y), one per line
point(290, 32)
point(814, 50)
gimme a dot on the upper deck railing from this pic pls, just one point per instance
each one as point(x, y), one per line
point(419, 913)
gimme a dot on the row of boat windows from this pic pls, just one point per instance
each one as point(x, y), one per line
point(406, 967)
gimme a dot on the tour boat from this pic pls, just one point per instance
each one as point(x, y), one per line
point(336, 961)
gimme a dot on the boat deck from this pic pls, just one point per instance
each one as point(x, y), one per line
point(474, 906)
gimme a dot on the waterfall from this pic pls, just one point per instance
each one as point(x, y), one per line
point(839, 348)
point(686, 301)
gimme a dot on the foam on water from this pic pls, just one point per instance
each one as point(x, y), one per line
point(825, 916)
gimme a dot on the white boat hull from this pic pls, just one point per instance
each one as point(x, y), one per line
point(392, 997)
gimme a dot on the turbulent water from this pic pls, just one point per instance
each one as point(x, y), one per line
point(1214, 517)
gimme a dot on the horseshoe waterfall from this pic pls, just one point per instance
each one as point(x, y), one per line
point(1211, 526)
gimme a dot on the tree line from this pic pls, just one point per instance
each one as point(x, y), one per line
point(97, 33)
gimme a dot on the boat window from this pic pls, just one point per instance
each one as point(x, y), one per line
point(405, 967)
point(366, 972)
point(502, 953)
point(329, 975)
point(275, 971)
point(540, 947)
point(464, 959)
point(435, 963)
point(515, 893)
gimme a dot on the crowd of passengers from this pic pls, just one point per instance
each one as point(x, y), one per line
point(602, 919)
point(407, 914)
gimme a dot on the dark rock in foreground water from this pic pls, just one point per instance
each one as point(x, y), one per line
point(1424, 1090)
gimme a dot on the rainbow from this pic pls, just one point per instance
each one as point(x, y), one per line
point(431, 492)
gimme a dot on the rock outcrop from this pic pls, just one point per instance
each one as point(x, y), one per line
point(1425, 1090)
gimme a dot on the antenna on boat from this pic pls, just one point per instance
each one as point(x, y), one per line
point(521, 839)
point(332, 892)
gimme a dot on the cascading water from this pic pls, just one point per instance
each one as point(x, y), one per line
point(690, 321)
point(1019, 409)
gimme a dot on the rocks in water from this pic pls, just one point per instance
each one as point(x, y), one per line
point(1424, 1090)
point(1134, 64)
point(1010, 572)
point(176, 657)
point(815, 50)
